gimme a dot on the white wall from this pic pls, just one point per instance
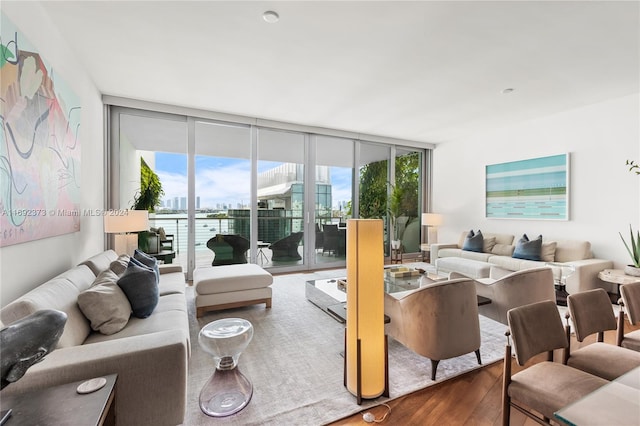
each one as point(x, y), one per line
point(25, 266)
point(604, 196)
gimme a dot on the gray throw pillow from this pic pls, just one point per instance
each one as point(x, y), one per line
point(141, 288)
point(529, 250)
point(148, 261)
point(473, 242)
point(119, 265)
point(104, 304)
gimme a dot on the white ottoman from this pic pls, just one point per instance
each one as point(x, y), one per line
point(468, 267)
point(231, 286)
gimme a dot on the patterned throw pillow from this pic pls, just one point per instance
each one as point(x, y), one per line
point(141, 288)
point(529, 250)
point(473, 242)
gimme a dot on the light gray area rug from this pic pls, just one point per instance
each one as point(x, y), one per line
point(295, 365)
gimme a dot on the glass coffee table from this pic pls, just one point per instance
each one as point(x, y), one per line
point(330, 294)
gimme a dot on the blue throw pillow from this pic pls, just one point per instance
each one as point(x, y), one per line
point(141, 288)
point(148, 261)
point(529, 250)
point(473, 242)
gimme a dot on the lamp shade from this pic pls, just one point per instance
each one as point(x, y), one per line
point(365, 339)
point(431, 219)
point(122, 221)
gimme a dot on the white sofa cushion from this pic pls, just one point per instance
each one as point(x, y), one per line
point(59, 293)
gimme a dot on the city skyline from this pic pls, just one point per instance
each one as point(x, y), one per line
point(225, 181)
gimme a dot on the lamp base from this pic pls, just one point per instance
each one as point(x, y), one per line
point(358, 395)
point(125, 243)
point(432, 235)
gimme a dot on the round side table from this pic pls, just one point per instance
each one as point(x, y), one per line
point(228, 390)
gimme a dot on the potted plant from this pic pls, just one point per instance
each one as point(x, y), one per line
point(147, 199)
point(395, 211)
point(150, 189)
point(634, 251)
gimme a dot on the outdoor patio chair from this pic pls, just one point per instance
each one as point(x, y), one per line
point(228, 249)
point(330, 237)
point(287, 247)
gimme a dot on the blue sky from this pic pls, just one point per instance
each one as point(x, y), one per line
point(226, 180)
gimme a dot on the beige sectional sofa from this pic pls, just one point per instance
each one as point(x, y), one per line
point(496, 260)
point(149, 355)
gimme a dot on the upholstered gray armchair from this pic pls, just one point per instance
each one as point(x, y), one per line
point(513, 290)
point(438, 321)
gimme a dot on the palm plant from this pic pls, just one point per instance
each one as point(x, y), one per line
point(634, 247)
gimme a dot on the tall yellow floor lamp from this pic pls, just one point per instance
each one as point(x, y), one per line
point(366, 370)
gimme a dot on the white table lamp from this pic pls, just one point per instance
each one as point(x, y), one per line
point(123, 223)
point(432, 221)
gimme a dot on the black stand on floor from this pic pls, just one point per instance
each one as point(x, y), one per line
point(359, 371)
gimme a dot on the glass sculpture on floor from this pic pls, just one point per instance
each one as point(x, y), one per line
point(228, 390)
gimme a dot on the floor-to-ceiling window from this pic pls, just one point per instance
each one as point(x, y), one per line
point(334, 158)
point(156, 143)
point(408, 173)
point(222, 192)
point(281, 196)
point(286, 193)
point(374, 184)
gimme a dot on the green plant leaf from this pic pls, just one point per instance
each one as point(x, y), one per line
point(634, 247)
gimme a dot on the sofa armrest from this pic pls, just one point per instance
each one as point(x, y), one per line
point(168, 268)
point(152, 374)
point(585, 276)
point(436, 247)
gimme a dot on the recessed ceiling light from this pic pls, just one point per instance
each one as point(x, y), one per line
point(508, 90)
point(270, 16)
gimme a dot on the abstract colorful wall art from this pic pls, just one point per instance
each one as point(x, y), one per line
point(536, 188)
point(39, 145)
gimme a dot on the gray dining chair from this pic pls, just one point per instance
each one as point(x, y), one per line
point(631, 302)
point(591, 313)
point(543, 388)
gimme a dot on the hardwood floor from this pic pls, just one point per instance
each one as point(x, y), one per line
point(470, 399)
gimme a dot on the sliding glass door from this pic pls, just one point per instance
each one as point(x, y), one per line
point(153, 145)
point(333, 198)
point(279, 198)
point(222, 170)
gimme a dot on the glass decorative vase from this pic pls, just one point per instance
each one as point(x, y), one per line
point(228, 390)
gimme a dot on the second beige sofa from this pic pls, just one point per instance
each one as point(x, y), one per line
point(497, 260)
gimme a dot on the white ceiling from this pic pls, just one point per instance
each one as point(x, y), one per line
point(426, 71)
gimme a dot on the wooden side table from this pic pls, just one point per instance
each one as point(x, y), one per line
point(618, 277)
point(62, 405)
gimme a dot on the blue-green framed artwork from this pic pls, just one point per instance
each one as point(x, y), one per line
point(536, 188)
